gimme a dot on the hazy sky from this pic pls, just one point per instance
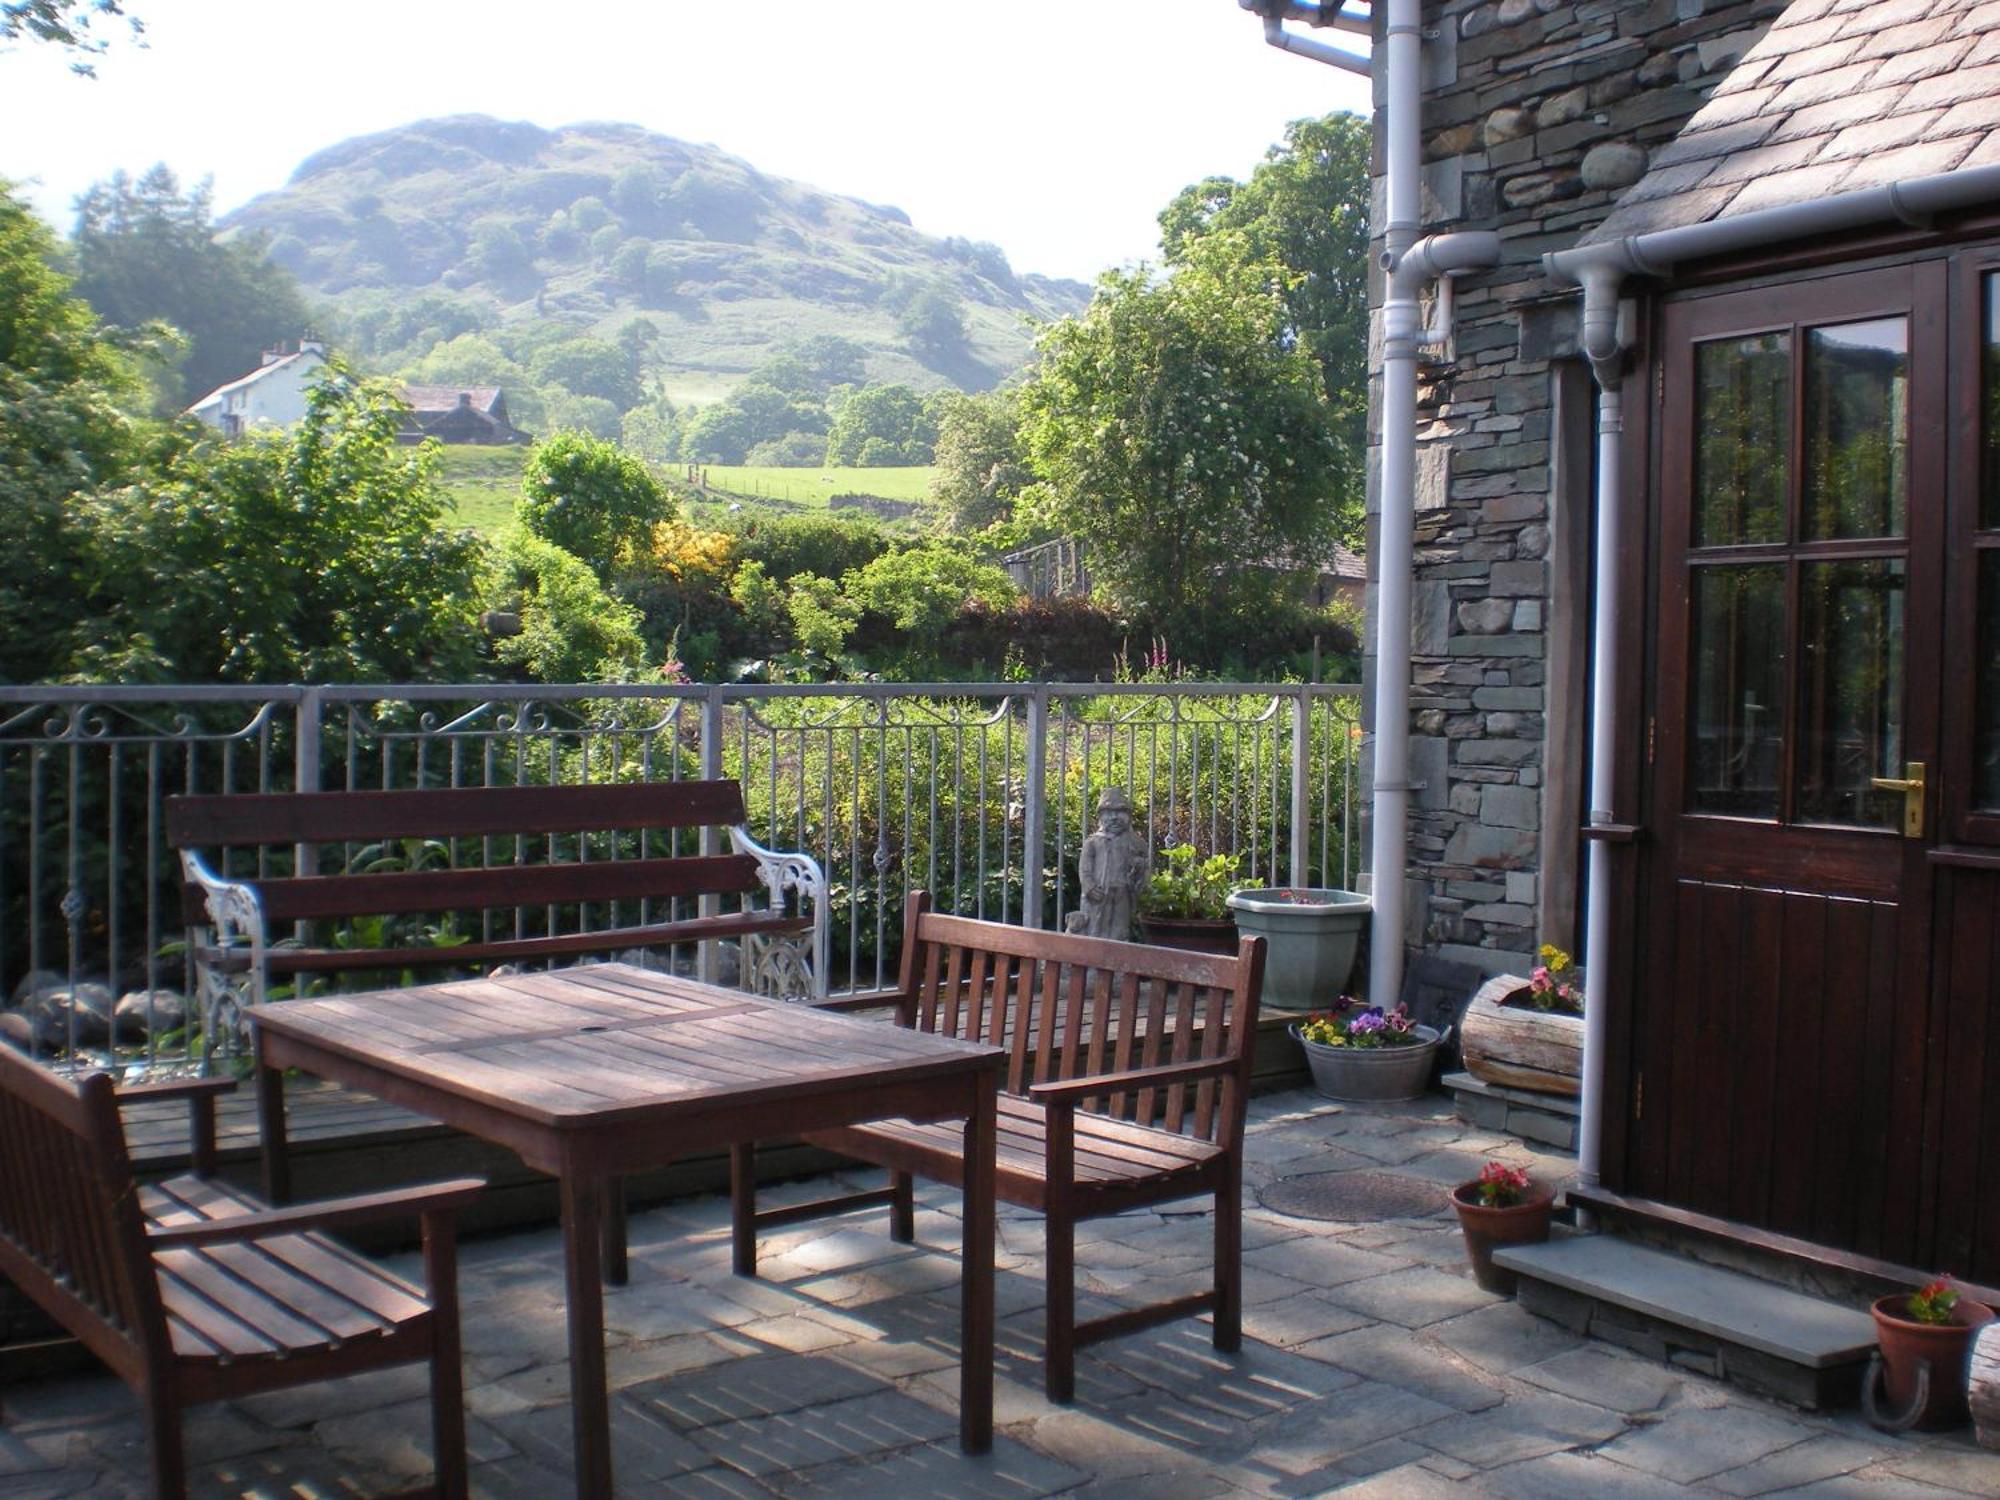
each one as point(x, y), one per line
point(1055, 128)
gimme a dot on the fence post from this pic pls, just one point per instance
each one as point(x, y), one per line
point(711, 838)
point(1302, 786)
point(1034, 830)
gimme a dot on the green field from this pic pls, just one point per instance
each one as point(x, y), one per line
point(484, 483)
point(813, 486)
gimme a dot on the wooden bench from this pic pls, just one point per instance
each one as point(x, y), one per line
point(194, 1292)
point(522, 856)
point(1128, 1076)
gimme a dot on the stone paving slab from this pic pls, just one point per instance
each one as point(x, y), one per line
point(1372, 1366)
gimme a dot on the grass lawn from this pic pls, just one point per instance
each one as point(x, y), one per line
point(813, 486)
point(484, 483)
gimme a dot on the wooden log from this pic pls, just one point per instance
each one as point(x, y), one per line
point(1518, 1047)
point(1983, 1386)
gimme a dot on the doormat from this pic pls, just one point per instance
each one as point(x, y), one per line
point(1354, 1197)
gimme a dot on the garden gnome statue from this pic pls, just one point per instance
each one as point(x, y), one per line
point(1113, 864)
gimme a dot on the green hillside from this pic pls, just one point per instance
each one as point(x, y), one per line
point(418, 235)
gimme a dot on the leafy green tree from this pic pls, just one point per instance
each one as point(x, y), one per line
point(981, 467)
point(591, 414)
point(934, 322)
point(590, 498)
point(572, 628)
point(147, 252)
point(1303, 218)
point(499, 254)
point(761, 603)
point(828, 545)
point(652, 431)
point(920, 590)
point(589, 367)
point(823, 617)
point(891, 416)
point(61, 434)
point(315, 555)
point(70, 24)
point(1177, 434)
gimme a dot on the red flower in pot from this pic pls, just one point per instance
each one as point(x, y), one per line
point(1503, 1205)
point(1926, 1345)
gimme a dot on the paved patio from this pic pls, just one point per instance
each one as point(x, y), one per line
point(1372, 1366)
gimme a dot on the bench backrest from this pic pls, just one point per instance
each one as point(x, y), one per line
point(1068, 1007)
point(71, 1234)
point(520, 874)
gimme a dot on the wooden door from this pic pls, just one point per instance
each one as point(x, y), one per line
point(1783, 1056)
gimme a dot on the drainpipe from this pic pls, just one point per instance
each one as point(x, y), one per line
point(1601, 270)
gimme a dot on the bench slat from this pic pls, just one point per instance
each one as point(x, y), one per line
point(250, 818)
point(295, 898)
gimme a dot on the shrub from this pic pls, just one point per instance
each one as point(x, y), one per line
point(572, 630)
point(590, 497)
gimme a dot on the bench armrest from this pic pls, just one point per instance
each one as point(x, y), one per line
point(1070, 1090)
point(783, 874)
point(334, 1213)
point(201, 1094)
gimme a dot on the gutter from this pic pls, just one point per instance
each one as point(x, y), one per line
point(1601, 270)
point(1277, 12)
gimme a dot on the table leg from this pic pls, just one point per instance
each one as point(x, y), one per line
point(590, 1404)
point(271, 1128)
point(975, 1376)
point(614, 1232)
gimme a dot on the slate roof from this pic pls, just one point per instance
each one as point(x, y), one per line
point(438, 398)
point(1838, 96)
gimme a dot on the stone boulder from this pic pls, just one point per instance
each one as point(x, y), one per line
point(141, 1014)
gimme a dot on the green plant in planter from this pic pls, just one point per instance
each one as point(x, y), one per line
point(1186, 885)
point(1935, 1303)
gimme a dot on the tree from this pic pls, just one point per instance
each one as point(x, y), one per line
point(145, 252)
point(1304, 211)
point(572, 630)
point(61, 434)
point(934, 322)
point(590, 498)
point(316, 555)
point(891, 417)
point(590, 367)
point(920, 590)
point(1176, 433)
point(980, 463)
point(70, 24)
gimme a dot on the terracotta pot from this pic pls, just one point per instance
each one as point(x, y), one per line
point(1202, 934)
point(1523, 1223)
point(1944, 1348)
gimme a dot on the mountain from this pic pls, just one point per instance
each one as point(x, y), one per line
point(595, 225)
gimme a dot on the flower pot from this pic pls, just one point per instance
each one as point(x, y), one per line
point(1202, 934)
point(1523, 1223)
point(1310, 938)
point(1371, 1073)
point(1942, 1350)
point(1518, 1047)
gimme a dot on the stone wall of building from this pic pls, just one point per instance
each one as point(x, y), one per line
point(1538, 114)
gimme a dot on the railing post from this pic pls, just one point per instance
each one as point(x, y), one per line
point(1302, 786)
point(706, 958)
point(305, 778)
point(1035, 812)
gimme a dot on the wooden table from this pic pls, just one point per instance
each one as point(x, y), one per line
point(591, 1073)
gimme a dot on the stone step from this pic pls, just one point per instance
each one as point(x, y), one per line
point(1755, 1333)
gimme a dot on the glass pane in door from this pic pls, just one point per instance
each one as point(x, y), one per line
point(1739, 685)
point(1743, 444)
point(1850, 691)
point(1986, 731)
point(1857, 426)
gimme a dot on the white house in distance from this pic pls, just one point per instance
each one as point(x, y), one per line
point(272, 395)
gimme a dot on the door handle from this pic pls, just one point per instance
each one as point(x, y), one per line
point(1911, 784)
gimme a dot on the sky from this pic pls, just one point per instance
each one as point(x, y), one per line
point(1057, 129)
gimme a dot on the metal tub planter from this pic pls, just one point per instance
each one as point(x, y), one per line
point(1311, 935)
point(1367, 1055)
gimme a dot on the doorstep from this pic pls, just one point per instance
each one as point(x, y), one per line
point(1803, 1349)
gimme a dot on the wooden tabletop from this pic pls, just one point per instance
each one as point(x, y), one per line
point(602, 1043)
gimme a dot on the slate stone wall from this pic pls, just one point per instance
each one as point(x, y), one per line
point(1538, 114)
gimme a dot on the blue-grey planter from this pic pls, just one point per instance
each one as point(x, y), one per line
point(1311, 942)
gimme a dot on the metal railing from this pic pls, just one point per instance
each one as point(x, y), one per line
point(980, 792)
